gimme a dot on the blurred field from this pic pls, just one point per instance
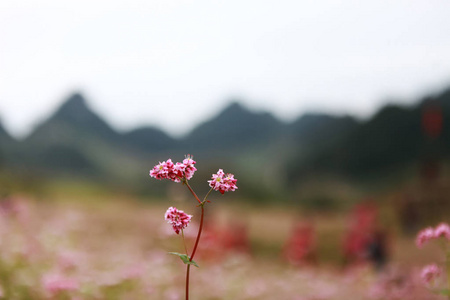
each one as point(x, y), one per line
point(106, 246)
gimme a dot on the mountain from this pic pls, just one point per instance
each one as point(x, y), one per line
point(5, 139)
point(394, 138)
point(4, 136)
point(233, 130)
point(72, 121)
point(74, 139)
point(321, 128)
point(265, 152)
point(7, 144)
point(149, 140)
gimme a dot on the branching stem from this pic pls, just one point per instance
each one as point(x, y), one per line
point(200, 228)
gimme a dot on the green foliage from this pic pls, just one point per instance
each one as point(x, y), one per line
point(185, 258)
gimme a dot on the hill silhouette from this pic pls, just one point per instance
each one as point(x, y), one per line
point(69, 140)
point(6, 145)
point(394, 138)
point(266, 152)
point(72, 121)
point(232, 132)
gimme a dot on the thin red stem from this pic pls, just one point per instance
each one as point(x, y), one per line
point(200, 228)
point(192, 191)
point(187, 281)
point(195, 248)
point(199, 232)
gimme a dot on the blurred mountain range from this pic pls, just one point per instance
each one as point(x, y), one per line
point(269, 155)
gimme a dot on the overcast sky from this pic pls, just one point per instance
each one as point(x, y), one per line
point(175, 63)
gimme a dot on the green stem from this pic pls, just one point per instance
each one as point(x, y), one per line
point(188, 266)
point(204, 199)
point(184, 242)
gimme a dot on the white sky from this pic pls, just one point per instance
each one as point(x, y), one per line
point(175, 63)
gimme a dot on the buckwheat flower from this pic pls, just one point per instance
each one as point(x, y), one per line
point(223, 182)
point(179, 169)
point(174, 172)
point(442, 230)
point(171, 172)
point(424, 236)
point(230, 182)
point(216, 180)
point(189, 170)
point(430, 273)
point(158, 171)
point(163, 170)
point(177, 218)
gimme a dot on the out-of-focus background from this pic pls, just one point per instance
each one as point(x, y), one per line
point(334, 117)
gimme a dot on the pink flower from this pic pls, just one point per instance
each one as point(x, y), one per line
point(160, 171)
point(430, 273)
point(223, 182)
point(189, 163)
point(442, 230)
point(177, 218)
point(175, 172)
point(427, 234)
point(424, 236)
point(56, 283)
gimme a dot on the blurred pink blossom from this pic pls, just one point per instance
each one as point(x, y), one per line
point(424, 236)
point(56, 283)
point(391, 284)
point(256, 288)
point(68, 260)
point(172, 295)
point(427, 234)
point(133, 272)
point(430, 273)
point(442, 230)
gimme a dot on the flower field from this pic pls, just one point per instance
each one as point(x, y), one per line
point(118, 249)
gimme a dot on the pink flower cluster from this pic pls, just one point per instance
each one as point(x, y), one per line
point(430, 273)
point(177, 218)
point(175, 172)
point(56, 283)
point(430, 233)
point(223, 182)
